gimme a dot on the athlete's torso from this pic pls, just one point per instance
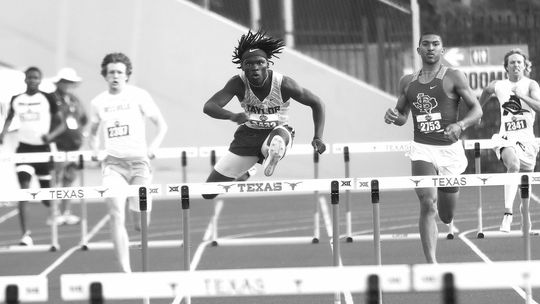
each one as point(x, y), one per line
point(519, 126)
point(268, 113)
point(431, 108)
point(122, 119)
point(35, 113)
point(75, 119)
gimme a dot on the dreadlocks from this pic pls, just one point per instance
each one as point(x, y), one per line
point(257, 41)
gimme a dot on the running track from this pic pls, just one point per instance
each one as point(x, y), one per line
point(276, 216)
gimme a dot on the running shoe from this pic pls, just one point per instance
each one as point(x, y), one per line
point(70, 219)
point(506, 222)
point(58, 219)
point(276, 150)
point(26, 240)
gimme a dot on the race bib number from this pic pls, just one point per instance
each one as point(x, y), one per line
point(118, 131)
point(29, 116)
point(264, 121)
point(515, 125)
point(429, 123)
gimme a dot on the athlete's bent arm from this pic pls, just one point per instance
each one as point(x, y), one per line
point(93, 140)
point(162, 128)
point(400, 113)
point(291, 89)
point(59, 129)
point(214, 107)
point(532, 98)
point(7, 123)
point(474, 114)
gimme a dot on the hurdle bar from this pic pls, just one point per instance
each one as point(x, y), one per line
point(369, 280)
point(61, 193)
point(212, 152)
point(21, 289)
point(235, 282)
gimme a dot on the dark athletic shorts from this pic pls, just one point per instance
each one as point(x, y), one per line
point(42, 169)
point(248, 141)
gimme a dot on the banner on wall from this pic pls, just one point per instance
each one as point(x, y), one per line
point(481, 64)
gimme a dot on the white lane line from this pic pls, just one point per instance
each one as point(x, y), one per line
point(8, 215)
point(486, 259)
point(70, 251)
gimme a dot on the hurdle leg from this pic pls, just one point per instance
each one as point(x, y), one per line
point(526, 227)
point(218, 205)
point(317, 215)
point(334, 194)
point(84, 208)
point(348, 214)
point(54, 226)
point(478, 170)
point(376, 228)
point(186, 234)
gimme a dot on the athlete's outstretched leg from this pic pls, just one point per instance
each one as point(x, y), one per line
point(446, 203)
point(117, 207)
point(512, 164)
point(229, 168)
point(427, 223)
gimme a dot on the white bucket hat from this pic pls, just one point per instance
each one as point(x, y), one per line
point(68, 74)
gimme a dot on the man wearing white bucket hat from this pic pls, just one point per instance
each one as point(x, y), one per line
point(71, 139)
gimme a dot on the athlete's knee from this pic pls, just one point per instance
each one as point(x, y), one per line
point(24, 179)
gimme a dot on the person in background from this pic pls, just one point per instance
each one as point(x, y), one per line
point(36, 110)
point(71, 139)
point(120, 113)
point(432, 95)
point(264, 134)
point(515, 143)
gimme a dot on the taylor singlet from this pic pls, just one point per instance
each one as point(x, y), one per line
point(432, 109)
point(269, 112)
point(520, 125)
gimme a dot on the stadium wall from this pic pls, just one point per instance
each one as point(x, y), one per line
point(182, 55)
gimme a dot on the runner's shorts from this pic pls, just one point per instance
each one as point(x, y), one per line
point(40, 169)
point(526, 149)
point(448, 160)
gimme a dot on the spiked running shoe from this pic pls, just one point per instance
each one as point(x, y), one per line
point(275, 153)
point(506, 222)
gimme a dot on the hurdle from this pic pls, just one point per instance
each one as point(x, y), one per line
point(37, 157)
point(301, 149)
point(22, 289)
point(447, 279)
point(375, 147)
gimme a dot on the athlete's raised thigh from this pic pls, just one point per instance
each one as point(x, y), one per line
point(420, 168)
point(234, 166)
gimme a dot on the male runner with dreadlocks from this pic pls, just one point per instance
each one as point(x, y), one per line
point(264, 134)
point(515, 146)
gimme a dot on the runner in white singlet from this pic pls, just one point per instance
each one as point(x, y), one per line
point(120, 115)
point(519, 100)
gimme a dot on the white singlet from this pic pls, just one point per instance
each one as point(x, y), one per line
point(122, 121)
